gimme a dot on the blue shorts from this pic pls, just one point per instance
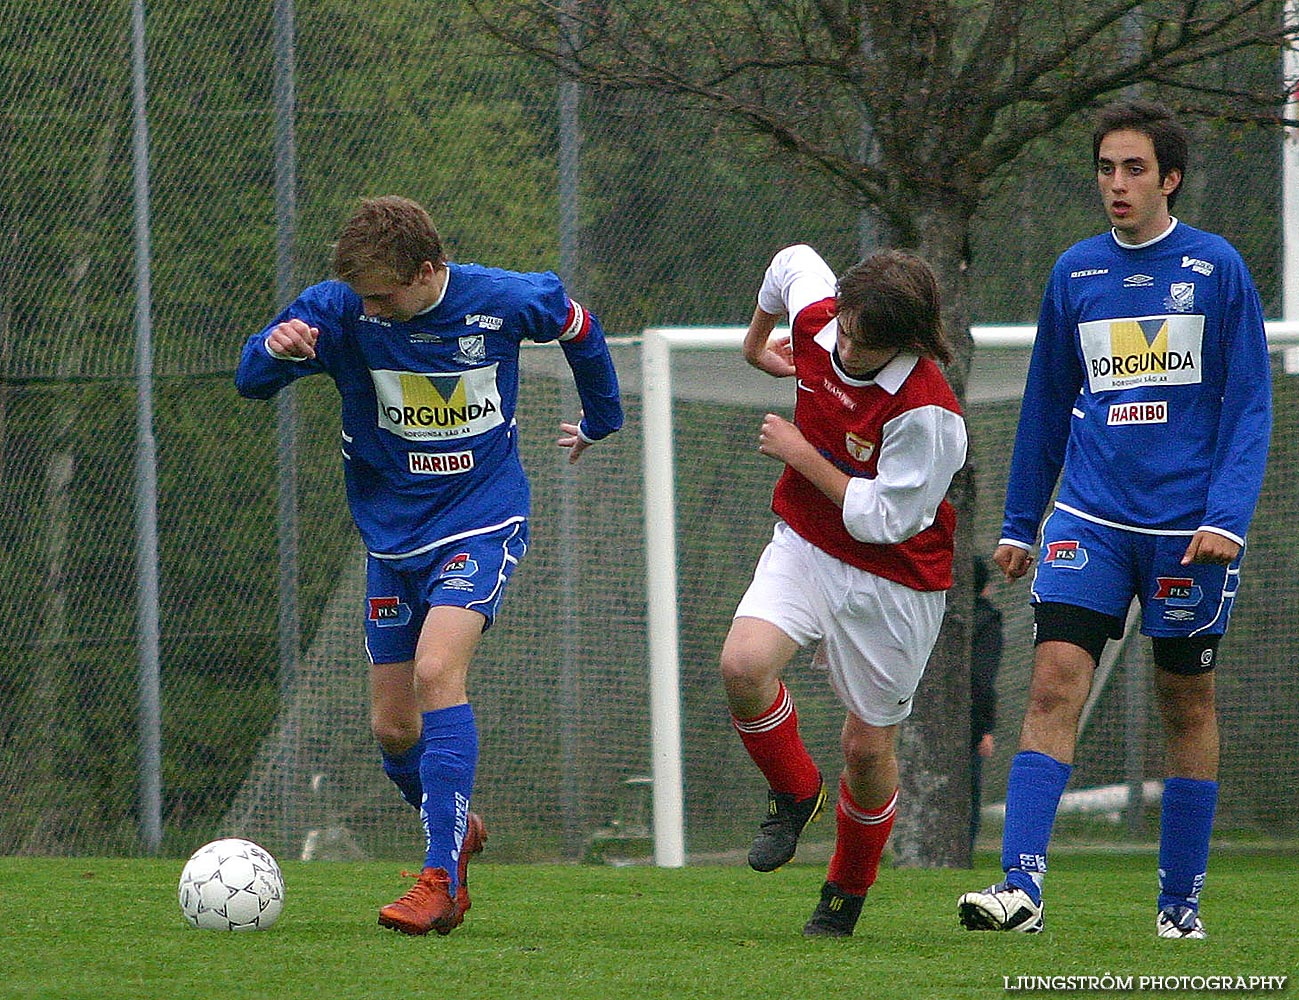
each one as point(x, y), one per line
point(1102, 568)
point(470, 572)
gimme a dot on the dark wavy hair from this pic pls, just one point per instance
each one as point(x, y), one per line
point(890, 300)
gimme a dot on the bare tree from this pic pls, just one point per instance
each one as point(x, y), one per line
point(910, 108)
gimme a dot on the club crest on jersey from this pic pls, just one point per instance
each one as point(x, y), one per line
point(858, 447)
point(388, 612)
point(1181, 297)
point(1178, 591)
point(473, 350)
point(461, 564)
point(1066, 555)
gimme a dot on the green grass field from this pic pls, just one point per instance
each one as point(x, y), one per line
point(100, 928)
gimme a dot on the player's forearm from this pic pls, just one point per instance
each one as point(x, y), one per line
point(597, 384)
point(1240, 459)
point(761, 327)
point(1035, 466)
point(818, 470)
point(260, 374)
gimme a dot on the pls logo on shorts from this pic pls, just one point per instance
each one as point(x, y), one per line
point(1178, 591)
point(388, 612)
point(460, 565)
point(1066, 555)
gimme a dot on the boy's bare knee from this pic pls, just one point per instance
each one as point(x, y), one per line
point(393, 735)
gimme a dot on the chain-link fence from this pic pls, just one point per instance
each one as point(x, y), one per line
point(675, 218)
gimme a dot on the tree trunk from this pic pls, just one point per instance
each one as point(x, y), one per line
point(932, 829)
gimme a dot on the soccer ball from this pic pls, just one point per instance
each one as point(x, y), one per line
point(231, 885)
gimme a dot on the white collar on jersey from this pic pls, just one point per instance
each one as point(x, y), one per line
point(889, 378)
point(441, 295)
point(1149, 243)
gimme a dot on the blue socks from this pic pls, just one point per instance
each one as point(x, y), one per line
point(1185, 825)
point(1033, 793)
point(443, 761)
point(403, 769)
point(446, 771)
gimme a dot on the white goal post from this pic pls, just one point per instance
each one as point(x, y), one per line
point(659, 486)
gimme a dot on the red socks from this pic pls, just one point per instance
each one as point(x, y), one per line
point(860, 842)
point(774, 744)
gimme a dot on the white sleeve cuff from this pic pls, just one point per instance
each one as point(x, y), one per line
point(1223, 532)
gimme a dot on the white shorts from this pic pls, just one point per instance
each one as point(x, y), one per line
point(875, 635)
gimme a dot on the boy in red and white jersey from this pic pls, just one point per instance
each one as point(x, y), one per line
point(861, 557)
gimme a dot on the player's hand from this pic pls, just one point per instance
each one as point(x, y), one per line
point(777, 358)
point(987, 746)
point(780, 439)
point(1013, 560)
point(293, 339)
point(573, 441)
point(1211, 547)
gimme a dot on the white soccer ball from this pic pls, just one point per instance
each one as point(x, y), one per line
point(231, 885)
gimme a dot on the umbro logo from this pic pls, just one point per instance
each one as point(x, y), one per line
point(1138, 281)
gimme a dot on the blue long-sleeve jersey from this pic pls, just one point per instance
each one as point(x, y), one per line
point(1150, 386)
point(429, 440)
